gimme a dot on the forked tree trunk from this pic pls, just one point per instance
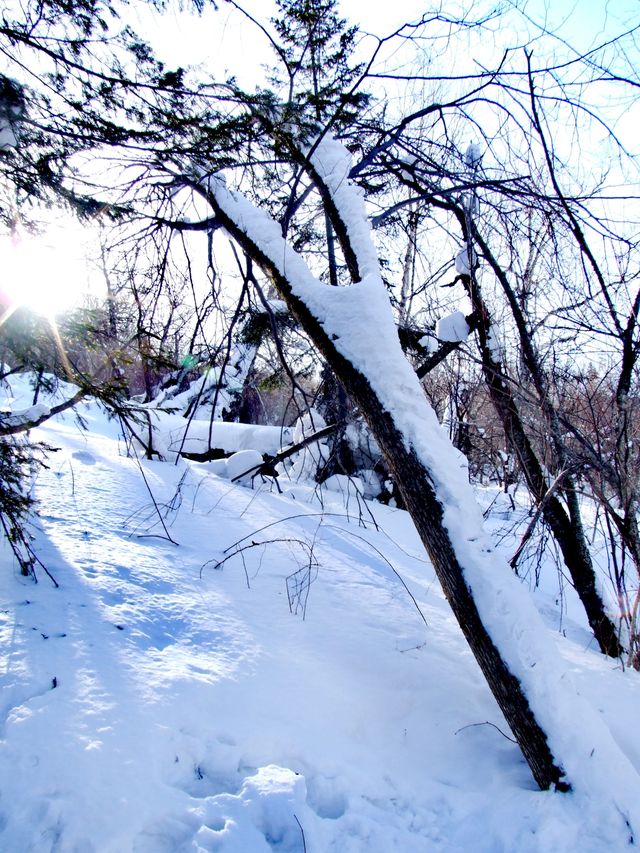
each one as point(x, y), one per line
point(418, 491)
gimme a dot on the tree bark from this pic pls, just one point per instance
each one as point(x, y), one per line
point(418, 492)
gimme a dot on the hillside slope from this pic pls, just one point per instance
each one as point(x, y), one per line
point(293, 699)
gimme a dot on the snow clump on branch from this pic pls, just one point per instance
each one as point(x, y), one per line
point(452, 328)
point(473, 155)
point(465, 260)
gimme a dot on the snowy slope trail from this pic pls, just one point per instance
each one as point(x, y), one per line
point(153, 705)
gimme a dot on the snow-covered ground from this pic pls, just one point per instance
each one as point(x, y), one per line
point(312, 694)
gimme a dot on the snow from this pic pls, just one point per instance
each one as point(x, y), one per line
point(343, 484)
point(7, 138)
point(25, 416)
point(429, 342)
point(276, 306)
point(494, 345)
point(587, 752)
point(197, 435)
point(304, 464)
point(333, 163)
point(308, 424)
point(462, 260)
point(453, 328)
point(220, 385)
point(242, 462)
point(473, 155)
point(193, 711)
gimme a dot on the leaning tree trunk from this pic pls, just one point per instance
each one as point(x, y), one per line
point(574, 550)
point(566, 527)
point(567, 531)
point(260, 241)
point(417, 489)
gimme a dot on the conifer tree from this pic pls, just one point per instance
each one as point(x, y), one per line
point(317, 46)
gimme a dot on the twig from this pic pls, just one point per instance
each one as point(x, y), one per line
point(289, 518)
point(487, 723)
point(153, 500)
point(393, 569)
point(304, 843)
point(240, 550)
point(18, 536)
point(513, 562)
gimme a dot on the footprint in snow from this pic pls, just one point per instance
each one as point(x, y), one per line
point(84, 456)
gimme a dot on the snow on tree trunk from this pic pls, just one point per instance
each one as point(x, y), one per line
point(562, 738)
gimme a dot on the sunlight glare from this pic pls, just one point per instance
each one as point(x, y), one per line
point(43, 273)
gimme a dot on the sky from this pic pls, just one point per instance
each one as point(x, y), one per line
point(225, 42)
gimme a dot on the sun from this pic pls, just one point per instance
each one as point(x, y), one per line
point(46, 273)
